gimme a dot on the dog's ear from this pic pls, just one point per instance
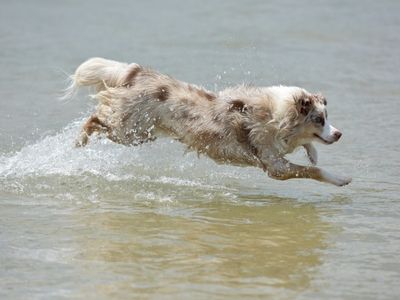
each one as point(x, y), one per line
point(238, 105)
point(303, 105)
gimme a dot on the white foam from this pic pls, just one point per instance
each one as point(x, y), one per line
point(55, 156)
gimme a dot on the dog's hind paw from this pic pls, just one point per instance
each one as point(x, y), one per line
point(82, 140)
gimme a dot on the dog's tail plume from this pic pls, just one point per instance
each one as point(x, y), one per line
point(97, 72)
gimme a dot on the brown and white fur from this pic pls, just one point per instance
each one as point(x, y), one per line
point(243, 125)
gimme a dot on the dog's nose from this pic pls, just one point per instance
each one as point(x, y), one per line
point(337, 135)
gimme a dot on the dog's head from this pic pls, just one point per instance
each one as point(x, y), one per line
point(312, 119)
point(281, 116)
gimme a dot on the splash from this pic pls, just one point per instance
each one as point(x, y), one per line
point(53, 163)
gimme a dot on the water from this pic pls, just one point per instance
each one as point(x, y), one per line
point(115, 222)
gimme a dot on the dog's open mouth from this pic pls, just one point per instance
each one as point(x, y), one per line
point(322, 139)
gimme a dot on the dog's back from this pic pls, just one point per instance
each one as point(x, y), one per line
point(137, 104)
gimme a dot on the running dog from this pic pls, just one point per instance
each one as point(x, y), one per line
point(242, 125)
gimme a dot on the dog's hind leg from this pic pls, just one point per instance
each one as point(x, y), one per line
point(93, 124)
point(130, 137)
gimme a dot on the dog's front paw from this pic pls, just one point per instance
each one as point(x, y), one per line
point(343, 181)
point(336, 180)
point(311, 153)
point(340, 181)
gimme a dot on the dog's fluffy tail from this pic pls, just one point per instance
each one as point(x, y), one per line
point(97, 72)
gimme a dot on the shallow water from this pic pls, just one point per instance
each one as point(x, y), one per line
point(109, 221)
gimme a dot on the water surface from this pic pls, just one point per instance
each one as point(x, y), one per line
point(109, 221)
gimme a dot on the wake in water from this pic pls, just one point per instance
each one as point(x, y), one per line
point(53, 163)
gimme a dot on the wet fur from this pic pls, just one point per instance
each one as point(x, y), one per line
point(243, 125)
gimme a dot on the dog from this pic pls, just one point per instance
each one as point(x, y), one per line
point(242, 125)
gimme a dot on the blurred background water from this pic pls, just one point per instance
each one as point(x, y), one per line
point(109, 221)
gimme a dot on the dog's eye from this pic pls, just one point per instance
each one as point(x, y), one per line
point(319, 120)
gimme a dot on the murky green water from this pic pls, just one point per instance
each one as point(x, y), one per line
point(114, 222)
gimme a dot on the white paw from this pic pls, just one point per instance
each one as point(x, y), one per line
point(82, 140)
point(311, 153)
point(336, 180)
point(342, 181)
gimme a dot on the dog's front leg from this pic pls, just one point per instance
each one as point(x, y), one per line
point(282, 169)
point(311, 153)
